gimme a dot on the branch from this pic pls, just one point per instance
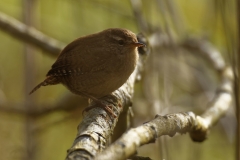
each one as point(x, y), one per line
point(30, 35)
point(206, 50)
point(97, 126)
point(171, 124)
point(220, 105)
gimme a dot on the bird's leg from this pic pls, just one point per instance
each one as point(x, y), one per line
point(103, 106)
point(113, 100)
point(100, 104)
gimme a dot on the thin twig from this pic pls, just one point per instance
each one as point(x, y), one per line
point(171, 124)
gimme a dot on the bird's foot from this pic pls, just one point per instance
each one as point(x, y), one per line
point(107, 108)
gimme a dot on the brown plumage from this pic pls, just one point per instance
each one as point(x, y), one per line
point(95, 65)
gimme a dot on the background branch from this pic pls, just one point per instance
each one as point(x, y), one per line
point(30, 35)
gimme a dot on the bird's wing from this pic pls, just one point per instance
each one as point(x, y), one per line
point(81, 58)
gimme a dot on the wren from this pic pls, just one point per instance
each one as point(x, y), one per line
point(95, 65)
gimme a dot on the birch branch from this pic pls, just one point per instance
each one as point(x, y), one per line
point(197, 126)
point(30, 35)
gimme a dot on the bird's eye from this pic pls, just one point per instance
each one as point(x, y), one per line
point(120, 42)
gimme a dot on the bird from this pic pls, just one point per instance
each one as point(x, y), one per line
point(95, 65)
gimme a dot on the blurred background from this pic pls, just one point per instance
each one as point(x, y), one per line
point(175, 79)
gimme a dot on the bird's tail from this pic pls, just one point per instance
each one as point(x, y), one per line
point(50, 80)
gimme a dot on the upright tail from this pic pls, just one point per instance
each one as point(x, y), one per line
point(50, 80)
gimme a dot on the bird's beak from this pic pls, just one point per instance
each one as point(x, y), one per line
point(138, 44)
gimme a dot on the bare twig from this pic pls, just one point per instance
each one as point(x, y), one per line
point(198, 126)
point(207, 51)
point(30, 35)
point(220, 105)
